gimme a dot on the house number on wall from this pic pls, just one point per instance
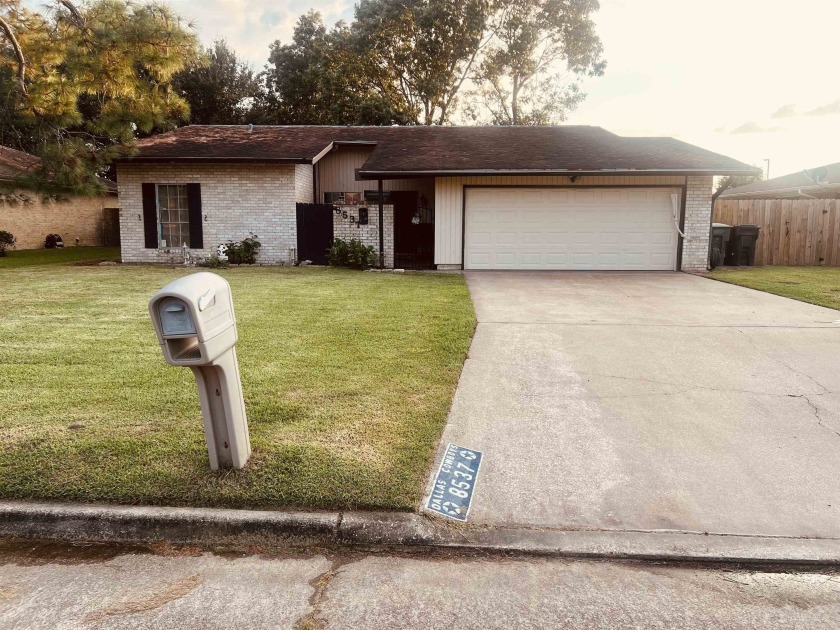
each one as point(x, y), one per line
point(362, 220)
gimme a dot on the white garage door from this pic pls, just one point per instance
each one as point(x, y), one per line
point(587, 228)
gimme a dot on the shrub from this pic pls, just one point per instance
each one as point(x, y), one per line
point(243, 252)
point(7, 241)
point(214, 262)
point(353, 255)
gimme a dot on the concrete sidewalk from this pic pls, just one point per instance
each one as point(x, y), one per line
point(66, 588)
point(650, 401)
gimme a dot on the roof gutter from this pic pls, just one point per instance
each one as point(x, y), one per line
point(213, 160)
point(370, 174)
point(799, 190)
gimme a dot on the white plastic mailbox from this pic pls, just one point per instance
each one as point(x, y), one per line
point(196, 327)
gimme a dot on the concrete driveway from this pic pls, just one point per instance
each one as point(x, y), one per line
point(650, 401)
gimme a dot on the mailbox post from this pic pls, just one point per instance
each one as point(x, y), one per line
point(195, 324)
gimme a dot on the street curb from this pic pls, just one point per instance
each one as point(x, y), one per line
point(225, 527)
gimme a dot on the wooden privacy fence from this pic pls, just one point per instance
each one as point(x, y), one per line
point(793, 231)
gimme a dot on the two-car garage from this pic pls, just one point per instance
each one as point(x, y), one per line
point(571, 228)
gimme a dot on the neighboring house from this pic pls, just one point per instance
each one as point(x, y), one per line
point(815, 183)
point(30, 217)
point(798, 214)
point(567, 197)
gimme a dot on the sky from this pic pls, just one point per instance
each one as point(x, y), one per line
point(752, 79)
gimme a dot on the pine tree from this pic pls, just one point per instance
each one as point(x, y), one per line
point(77, 85)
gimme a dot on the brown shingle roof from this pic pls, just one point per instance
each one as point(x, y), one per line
point(421, 150)
point(15, 164)
point(788, 186)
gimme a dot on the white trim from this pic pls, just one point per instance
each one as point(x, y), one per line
point(326, 150)
point(549, 172)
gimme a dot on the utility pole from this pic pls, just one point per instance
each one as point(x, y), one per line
point(767, 170)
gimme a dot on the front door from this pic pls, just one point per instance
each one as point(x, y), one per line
point(414, 232)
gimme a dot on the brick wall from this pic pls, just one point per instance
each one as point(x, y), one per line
point(698, 213)
point(347, 230)
point(236, 199)
point(77, 217)
point(304, 192)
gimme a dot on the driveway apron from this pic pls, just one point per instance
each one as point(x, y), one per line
point(650, 401)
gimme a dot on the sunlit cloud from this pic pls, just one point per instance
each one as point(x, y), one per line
point(825, 110)
point(754, 127)
point(791, 111)
point(786, 111)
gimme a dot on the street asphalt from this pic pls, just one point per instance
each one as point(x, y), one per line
point(650, 401)
point(61, 588)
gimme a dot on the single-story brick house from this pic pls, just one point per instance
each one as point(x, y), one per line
point(566, 197)
point(78, 219)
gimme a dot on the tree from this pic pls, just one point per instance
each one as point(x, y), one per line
point(219, 88)
point(733, 181)
point(323, 78)
point(520, 62)
point(426, 48)
point(519, 81)
point(79, 84)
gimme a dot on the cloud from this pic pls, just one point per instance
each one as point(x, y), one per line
point(790, 111)
point(786, 111)
point(753, 127)
point(825, 110)
point(250, 26)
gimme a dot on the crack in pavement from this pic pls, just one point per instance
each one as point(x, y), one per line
point(816, 411)
point(670, 384)
point(782, 363)
point(685, 390)
point(313, 620)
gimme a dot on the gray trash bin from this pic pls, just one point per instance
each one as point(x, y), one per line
point(721, 235)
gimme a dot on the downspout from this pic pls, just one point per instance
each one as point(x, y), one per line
point(675, 205)
point(381, 228)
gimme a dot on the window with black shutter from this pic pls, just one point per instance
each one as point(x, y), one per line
point(172, 216)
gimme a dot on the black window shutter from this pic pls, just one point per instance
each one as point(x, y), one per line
point(150, 221)
point(194, 205)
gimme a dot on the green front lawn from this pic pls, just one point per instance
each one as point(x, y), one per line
point(348, 377)
point(34, 257)
point(817, 285)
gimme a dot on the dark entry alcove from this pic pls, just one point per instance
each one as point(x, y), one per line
point(414, 232)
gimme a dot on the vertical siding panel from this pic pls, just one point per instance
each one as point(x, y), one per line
point(338, 174)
